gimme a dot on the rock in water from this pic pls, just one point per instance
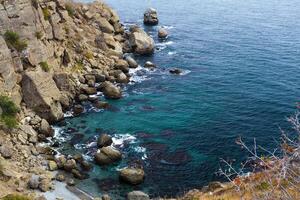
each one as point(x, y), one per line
point(137, 195)
point(133, 176)
point(104, 140)
point(41, 94)
point(175, 71)
point(150, 17)
point(162, 33)
point(107, 155)
point(140, 41)
point(111, 91)
point(149, 64)
point(132, 63)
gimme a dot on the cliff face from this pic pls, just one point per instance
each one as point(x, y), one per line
point(52, 53)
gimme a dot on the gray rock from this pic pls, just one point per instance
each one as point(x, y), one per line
point(70, 165)
point(137, 195)
point(82, 97)
point(111, 91)
point(149, 64)
point(140, 41)
point(34, 182)
point(132, 63)
point(150, 17)
point(6, 151)
point(60, 177)
point(46, 129)
point(106, 197)
point(78, 109)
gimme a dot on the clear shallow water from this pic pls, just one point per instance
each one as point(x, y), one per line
point(244, 63)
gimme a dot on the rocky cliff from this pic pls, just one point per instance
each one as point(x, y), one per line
point(54, 54)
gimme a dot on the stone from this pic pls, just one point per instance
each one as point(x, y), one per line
point(60, 161)
point(122, 78)
point(107, 155)
point(104, 25)
point(111, 91)
point(132, 63)
point(89, 90)
point(52, 165)
point(106, 197)
point(60, 177)
point(70, 165)
point(79, 175)
point(41, 94)
point(104, 140)
point(45, 185)
point(82, 97)
point(6, 151)
point(122, 65)
point(86, 166)
point(140, 42)
point(101, 104)
point(132, 176)
point(137, 195)
point(71, 182)
point(175, 71)
point(149, 64)
point(46, 129)
point(78, 109)
point(34, 182)
point(150, 17)
point(162, 33)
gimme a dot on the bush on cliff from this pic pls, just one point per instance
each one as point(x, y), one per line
point(13, 41)
point(9, 112)
point(70, 10)
point(45, 67)
point(46, 14)
point(16, 197)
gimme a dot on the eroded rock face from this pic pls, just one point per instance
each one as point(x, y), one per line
point(140, 41)
point(41, 94)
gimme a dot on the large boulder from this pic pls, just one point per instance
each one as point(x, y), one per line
point(132, 176)
point(104, 140)
point(132, 63)
point(150, 17)
point(107, 155)
point(137, 195)
point(162, 33)
point(41, 94)
point(111, 91)
point(140, 41)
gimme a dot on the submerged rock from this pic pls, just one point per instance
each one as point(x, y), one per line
point(175, 71)
point(137, 195)
point(150, 17)
point(107, 155)
point(162, 33)
point(133, 176)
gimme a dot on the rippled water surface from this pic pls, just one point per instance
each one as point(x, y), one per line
point(241, 62)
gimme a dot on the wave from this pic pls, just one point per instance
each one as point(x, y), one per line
point(172, 53)
point(120, 139)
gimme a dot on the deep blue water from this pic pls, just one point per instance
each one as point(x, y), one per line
point(244, 64)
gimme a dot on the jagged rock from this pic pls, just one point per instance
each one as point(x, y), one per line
point(101, 104)
point(89, 90)
point(46, 129)
point(150, 17)
point(104, 25)
point(107, 155)
point(106, 197)
point(110, 90)
point(133, 176)
point(83, 97)
point(61, 161)
point(66, 58)
point(149, 64)
point(104, 140)
point(140, 41)
point(162, 33)
point(27, 133)
point(132, 63)
point(64, 83)
point(41, 94)
point(122, 78)
point(137, 195)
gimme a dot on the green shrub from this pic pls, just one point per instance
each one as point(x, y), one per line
point(13, 41)
point(9, 111)
point(70, 10)
point(16, 197)
point(45, 66)
point(38, 35)
point(46, 13)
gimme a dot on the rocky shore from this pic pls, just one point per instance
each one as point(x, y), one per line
point(54, 55)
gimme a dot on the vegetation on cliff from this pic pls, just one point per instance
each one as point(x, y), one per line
point(9, 112)
point(13, 41)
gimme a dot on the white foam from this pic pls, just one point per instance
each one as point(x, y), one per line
point(120, 139)
point(68, 114)
point(172, 53)
point(162, 44)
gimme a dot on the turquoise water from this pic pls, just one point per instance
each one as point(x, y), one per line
point(242, 64)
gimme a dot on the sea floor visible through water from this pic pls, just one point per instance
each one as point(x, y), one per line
point(241, 78)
